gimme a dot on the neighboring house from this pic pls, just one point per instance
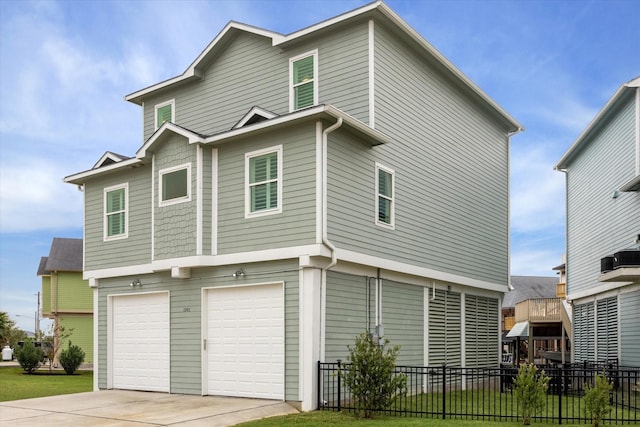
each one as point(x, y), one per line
point(66, 297)
point(602, 170)
point(292, 191)
point(534, 314)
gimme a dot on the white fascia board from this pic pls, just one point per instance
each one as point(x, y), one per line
point(294, 252)
point(562, 163)
point(386, 264)
point(309, 112)
point(191, 71)
point(605, 287)
point(168, 127)
point(329, 22)
point(79, 178)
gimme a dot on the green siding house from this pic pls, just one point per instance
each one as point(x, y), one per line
point(290, 192)
point(66, 296)
point(602, 170)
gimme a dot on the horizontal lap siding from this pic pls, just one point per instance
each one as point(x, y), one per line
point(74, 294)
point(345, 313)
point(186, 312)
point(450, 165)
point(175, 225)
point(343, 63)
point(80, 326)
point(296, 224)
point(248, 72)
point(403, 320)
point(136, 248)
point(599, 225)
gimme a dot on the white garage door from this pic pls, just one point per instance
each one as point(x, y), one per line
point(140, 342)
point(245, 342)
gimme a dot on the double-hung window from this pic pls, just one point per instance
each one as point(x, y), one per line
point(165, 112)
point(304, 80)
point(175, 185)
point(385, 196)
point(263, 182)
point(116, 207)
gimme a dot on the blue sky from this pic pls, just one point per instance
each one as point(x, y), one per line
point(65, 67)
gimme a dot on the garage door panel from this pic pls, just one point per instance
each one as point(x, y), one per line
point(246, 341)
point(140, 341)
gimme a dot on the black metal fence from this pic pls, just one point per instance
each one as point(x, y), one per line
point(487, 393)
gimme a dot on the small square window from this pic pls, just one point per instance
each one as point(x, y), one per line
point(385, 203)
point(165, 113)
point(263, 194)
point(115, 212)
point(304, 88)
point(175, 185)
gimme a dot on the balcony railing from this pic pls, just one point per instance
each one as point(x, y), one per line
point(539, 310)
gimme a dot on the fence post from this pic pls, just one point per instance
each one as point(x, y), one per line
point(560, 392)
point(339, 384)
point(444, 391)
point(318, 398)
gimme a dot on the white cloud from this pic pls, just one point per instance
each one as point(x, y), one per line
point(35, 198)
point(533, 262)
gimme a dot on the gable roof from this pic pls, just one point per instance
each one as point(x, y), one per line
point(600, 119)
point(318, 112)
point(65, 255)
point(528, 287)
point(375, 9)
point(109, 158)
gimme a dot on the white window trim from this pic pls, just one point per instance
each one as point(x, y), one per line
point(171, 102)
point(105, 222)
point(292, 101)
point(392, 223)
point(175, 201)
point(247, 191)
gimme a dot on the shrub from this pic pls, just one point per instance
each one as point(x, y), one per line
point(71, 358)
point(370, 377)
point(30, 357)
point(596, 399)
point(530, 389)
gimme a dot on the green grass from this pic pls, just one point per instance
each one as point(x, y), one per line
point(328, 418)
point(15, 384)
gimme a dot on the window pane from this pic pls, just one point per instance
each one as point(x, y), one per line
point(273, 195)
point(384, 210)
point(258, 197)
point(303, 95)
point(115, 200)
point(164, 114)
point(174, 185)
point(384, 183)
point(303, 70)
point(115, 224)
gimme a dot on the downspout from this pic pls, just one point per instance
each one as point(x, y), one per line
point(509, 135)
point(325, 238)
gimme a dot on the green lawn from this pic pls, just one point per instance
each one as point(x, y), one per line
point(328, 418)
point(14, 384)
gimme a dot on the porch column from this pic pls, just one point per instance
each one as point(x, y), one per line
point(310, 312)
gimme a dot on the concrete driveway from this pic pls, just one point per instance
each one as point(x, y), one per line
point(137, 408)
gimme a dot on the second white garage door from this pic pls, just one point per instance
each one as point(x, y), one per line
point(245, 341)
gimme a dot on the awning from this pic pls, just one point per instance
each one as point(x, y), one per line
point(520, 329)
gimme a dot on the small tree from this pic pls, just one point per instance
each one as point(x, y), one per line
point(596, 399)
point(71, 358)
point(52, 343)
point(370, 376)
point(530, 389)
point(29, 357)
